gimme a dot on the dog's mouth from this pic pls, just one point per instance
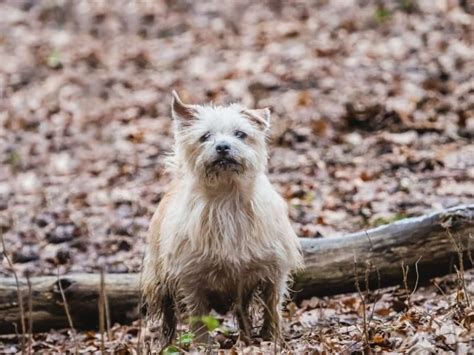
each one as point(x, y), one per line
point(225, 163)
point(222, 166)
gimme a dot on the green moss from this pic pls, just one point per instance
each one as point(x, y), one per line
point(380, 221)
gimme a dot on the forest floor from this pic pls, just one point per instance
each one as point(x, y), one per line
point(373, 121)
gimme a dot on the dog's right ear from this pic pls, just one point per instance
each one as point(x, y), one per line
point(182, 113)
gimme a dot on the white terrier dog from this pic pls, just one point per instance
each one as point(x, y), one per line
point(220, 238)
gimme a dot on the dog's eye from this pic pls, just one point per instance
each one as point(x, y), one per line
point(240, 134)
point(205, 137)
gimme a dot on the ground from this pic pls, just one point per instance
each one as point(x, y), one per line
point(372, 121)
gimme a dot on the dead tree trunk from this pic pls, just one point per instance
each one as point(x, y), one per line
point(432, 240)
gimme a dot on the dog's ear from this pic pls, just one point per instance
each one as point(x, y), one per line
point(182, 112)
point(261, 117)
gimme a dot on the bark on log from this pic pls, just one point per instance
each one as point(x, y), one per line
point(329, 269)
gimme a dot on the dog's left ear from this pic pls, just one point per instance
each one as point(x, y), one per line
point(182, 112)
point(261, 117)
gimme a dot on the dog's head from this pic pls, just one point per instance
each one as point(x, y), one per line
point(218, 143)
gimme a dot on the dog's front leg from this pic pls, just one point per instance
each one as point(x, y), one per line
point(170, 320)
point(242, 313)
point(271, 294)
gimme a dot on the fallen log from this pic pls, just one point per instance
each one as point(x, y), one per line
point(431, 242)
point(434, 242)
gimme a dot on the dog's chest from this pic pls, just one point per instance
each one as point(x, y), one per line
point(228, 226)
point(228, 231)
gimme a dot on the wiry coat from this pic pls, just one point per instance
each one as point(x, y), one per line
point(222, 231)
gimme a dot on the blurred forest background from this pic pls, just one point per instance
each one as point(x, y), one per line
point(372, 109)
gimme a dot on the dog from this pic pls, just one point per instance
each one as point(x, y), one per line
point(220, 238)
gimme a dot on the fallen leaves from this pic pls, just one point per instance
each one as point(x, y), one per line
point(372, 113)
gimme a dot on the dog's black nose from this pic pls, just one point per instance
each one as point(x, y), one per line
point(222, 148)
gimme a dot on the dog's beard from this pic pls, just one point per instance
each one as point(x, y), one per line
point(223, 166)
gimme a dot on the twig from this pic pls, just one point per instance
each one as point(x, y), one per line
point(30, 314)
point(362, 298)
point(460, 273)
point(101, 312)
point(417, 277)
point(376, 296)
point(440, 290)
point(405, 283)
point(468, 251)
point(18, 290)
point(366, 278)
point(457, 175)
point(68, 315)
point(107, 311)
point(434, 320)
point(140, 313)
